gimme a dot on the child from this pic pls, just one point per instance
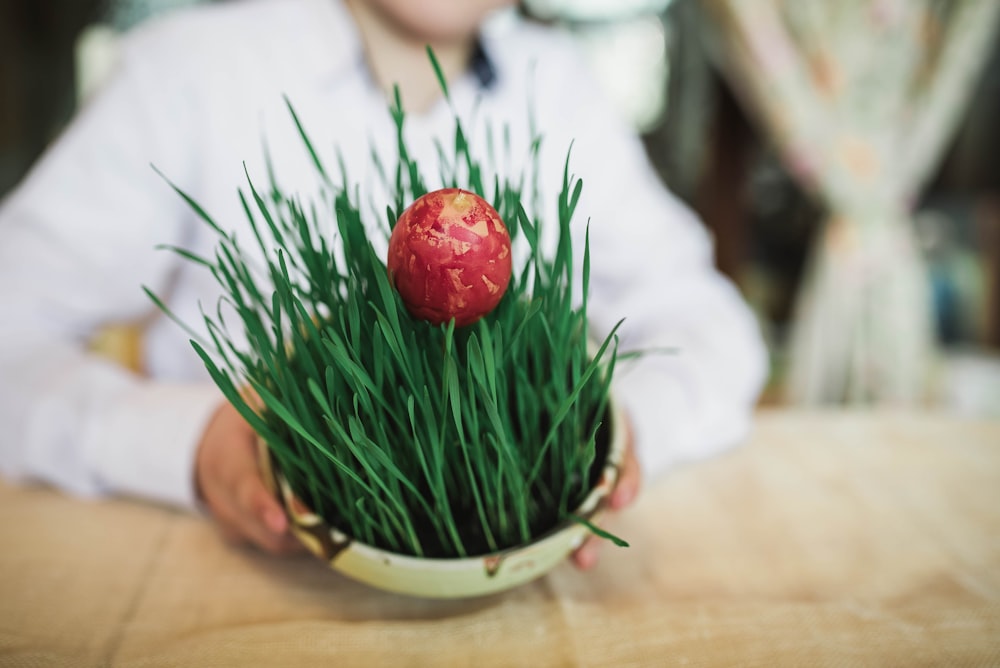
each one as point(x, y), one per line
point(194, 95)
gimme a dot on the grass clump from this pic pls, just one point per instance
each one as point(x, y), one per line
point(421, 439)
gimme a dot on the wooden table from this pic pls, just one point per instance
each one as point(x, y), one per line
point(830, 539)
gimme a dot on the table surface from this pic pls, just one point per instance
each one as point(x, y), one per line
point(831, 538)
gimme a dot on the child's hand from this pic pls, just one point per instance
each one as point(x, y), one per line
point(624, 494)
point(229, 482)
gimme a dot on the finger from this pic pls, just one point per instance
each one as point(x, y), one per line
point(227, 521)
point(266, 508)
point(629, 480)
point(230, 533)
point(260, 516)
point(586, 556)
point(252, 509)
point(239, 531)
point(256, 533)
point(251, 497)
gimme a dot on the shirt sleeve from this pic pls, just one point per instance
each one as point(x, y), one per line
point(692, 392)
point(77, 242)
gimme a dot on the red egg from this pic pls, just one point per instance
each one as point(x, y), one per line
point(449, 257)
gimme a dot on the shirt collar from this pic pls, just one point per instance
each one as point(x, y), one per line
point(482, 66)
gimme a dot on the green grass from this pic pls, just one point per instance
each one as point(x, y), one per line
point(421, 439)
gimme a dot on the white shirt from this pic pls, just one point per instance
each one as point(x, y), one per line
point(196, 95)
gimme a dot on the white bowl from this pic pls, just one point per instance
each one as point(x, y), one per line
point(449, 578)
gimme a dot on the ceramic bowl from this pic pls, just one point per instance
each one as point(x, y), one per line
point(448, 578)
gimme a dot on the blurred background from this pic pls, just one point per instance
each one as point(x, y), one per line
point(844, 154)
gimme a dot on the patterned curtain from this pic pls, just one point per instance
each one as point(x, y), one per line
point(860, 98)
